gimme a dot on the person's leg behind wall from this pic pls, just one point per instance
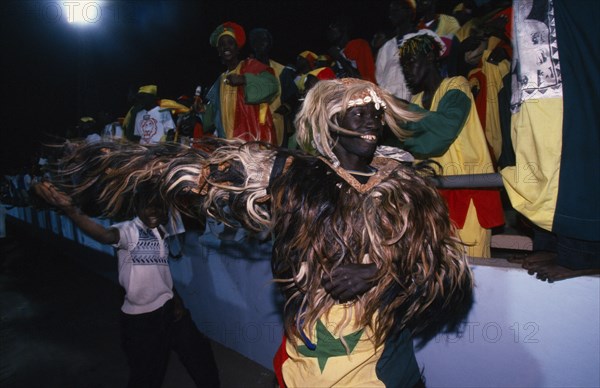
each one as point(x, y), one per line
point(578, 254)
point(557, 257)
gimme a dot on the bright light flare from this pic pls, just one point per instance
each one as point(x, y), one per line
point(82, 12)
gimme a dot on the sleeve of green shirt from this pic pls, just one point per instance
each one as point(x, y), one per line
point(437, 130)
point(259, 88)
point(208, 118)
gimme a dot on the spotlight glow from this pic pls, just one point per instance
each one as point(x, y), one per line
point(83, 12)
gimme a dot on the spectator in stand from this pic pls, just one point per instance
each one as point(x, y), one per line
point(324, 60)
point(238, 105)
point(305, 62)
point(321, 70)
point(112, 129)
point(354, 57)
point(310, 80)
point(555, 94)
point(442, 24)
point(445, 26)
point(316, 75)
point(129, 120)
point(377, 41)
point(261, 42)
point(387, 66)
point(450, 133)
point(86, 128)
point(464, 11)
point(153, 124)
point(189, 125)
point(489, 76)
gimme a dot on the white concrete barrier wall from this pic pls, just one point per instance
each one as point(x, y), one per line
point(521, 332)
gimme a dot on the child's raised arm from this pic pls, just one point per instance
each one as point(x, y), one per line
point(224, 179)
point(54, 197)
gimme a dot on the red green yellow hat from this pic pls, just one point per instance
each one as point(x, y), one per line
point(229, 28)
point(309, 56)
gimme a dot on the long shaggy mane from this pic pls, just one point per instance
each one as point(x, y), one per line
point(402, 226)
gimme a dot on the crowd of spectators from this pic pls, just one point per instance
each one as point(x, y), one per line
point(257, 98)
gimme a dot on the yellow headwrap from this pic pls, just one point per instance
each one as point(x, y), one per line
point(148, 89)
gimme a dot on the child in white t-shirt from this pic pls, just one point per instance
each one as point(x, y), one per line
point(153, 318)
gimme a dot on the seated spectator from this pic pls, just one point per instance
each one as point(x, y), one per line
point(555, 89)
point(238, 101)
point(354, 57)
point(442, 24)
point(317, 75)
point(491, 73)
point(188, 120)
point(324, 60)
point(305, 62)
point(450, 134)
point(261, 42)
point(387, 66)
point(446, 27)
point(112, 129)
point(129, 119)
point(377, 41)
point(152, 123)
point(87, 128)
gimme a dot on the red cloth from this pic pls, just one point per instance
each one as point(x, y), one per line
point(481, 99)
point(359, 50)
point(199, 133)
point(280, 358)
point(247, 124)
point(505, 16)
point(325, 73)
point(487, 203)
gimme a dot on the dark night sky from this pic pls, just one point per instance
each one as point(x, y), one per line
point(54, 72)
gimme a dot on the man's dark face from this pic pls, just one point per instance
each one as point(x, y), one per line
point(399, 12)
point(227, 48)
point(261, 44)
point(366, 122)
point(153, 213)
point(146, 100)
point(333, 33)
point(415, 69)
point(425, 6)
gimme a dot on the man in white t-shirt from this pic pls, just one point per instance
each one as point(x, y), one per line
point(152, 123)
point(388, 71)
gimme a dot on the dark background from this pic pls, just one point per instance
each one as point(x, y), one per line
point(54, 72)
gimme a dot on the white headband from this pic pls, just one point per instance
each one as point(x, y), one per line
point(371, 97)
